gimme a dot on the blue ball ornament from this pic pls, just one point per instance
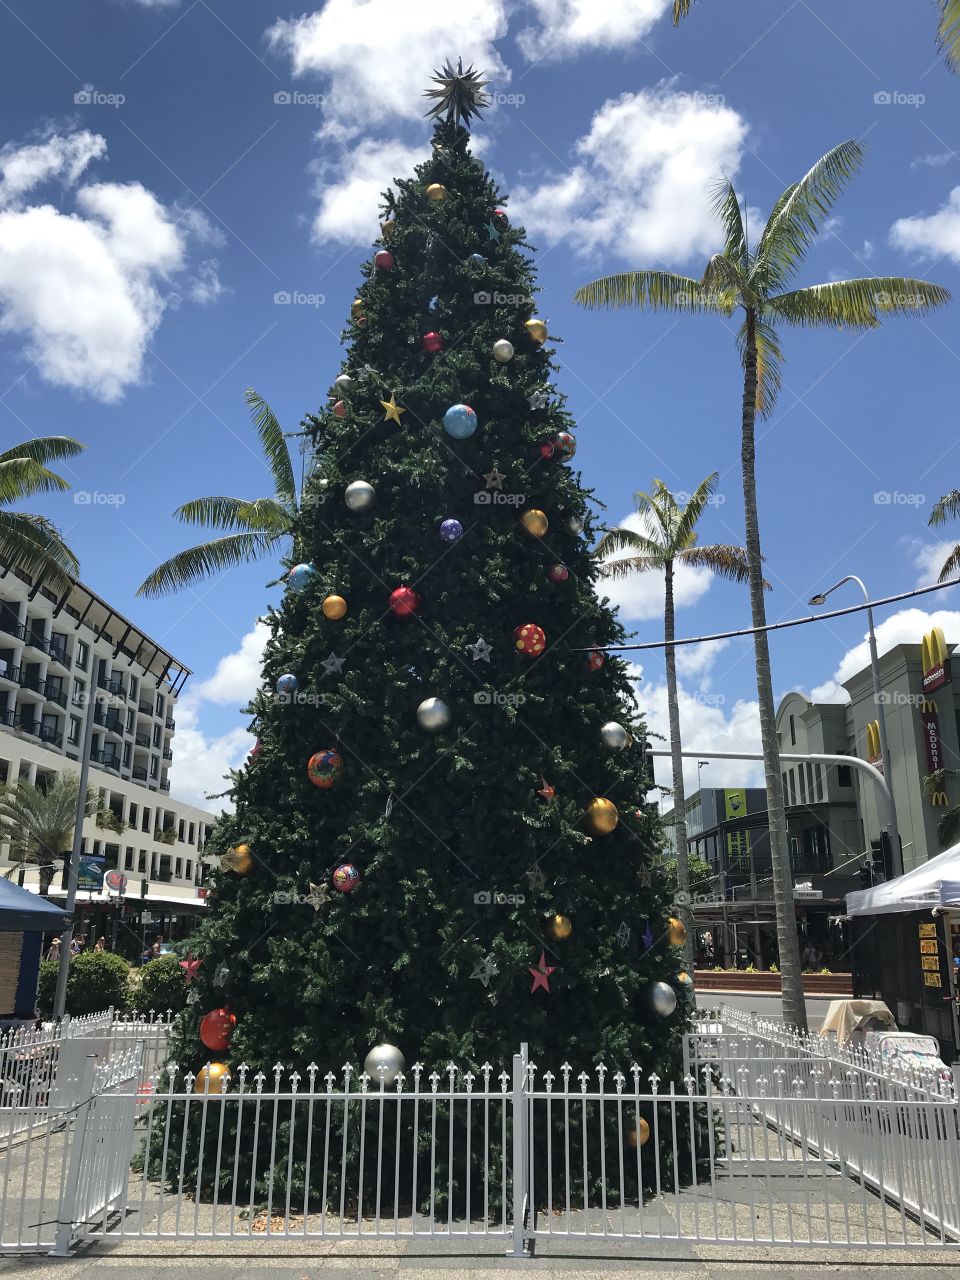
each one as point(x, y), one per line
point(300, 575)
point(451, 531)
point(478, 259)
point(460, 421)
point(287, 683)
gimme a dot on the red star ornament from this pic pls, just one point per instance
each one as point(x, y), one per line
point(545, 791)
point(190, 967)
point(541, 974)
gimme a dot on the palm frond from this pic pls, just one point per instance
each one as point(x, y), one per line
point(769, 361)
point(34, 545)
point(725, 561)
point(262, 515)
point(44, 449)
point(857, 304)
point(681, 10)
point(951, 566)
point(798, 219)
point(696, 504)
point(23, 477)
point(188, 567)
point(658, 290)
point(726, 206)
point(619, 540)
point(949, 32)
point(630, 565)
point(946, 508)
point(274, 446)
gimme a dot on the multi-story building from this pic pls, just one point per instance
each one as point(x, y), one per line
point(57, 651)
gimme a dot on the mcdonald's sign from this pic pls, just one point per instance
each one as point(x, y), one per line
point(938, 799)
point(874, 756)
point(931, 737)
point(935, 658)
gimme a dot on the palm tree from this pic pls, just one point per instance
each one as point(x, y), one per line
point(948, 508)
point(948, 31)
point(38, 823)
point(32, 544)
point(948, 826)
point(667, 538)
point(254, 527)
point(756, 281)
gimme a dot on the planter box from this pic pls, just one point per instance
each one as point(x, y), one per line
point(825, 984)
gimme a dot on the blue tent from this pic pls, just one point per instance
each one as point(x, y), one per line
point(22, 911)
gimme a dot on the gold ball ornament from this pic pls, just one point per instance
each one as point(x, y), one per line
point(436, 191)
point(601, 817)
point(676, 932)
point(559, 927)
point(356, 308)
point(537, 331)
point(238, 859)
point(535, 522)
point(387, 228)
point(213, 1078)
point(639, 1136)
point(334, 607)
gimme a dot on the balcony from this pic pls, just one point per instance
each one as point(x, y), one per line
point(112, 684)
point(9, 673)
point(55, 692)
point(144, 707)
point(165, 786)
point(50, 735)
point(170, 722)
point(10, 626)
point(35, 640)
point(142, 740)
point(110, 720)
point(167, 753)
point(106, 759)
point(139, 773)
point(8, 717)
point(58, 652)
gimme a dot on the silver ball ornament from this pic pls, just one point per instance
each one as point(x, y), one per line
point(502, 351)
point(614, 736)
point(344, 382)
point(387, 1056)
point(433, 714)
point(574, 525)
point(360, 496)
point(663, 998)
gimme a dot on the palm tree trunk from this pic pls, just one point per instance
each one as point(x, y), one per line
point(676, 760)
point(794, 1008)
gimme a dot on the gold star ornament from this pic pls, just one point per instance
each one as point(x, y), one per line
point(391, 410)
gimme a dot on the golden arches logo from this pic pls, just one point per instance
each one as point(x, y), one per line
point(935, 659)
point(928, 707)
point(873, 740)
point(938, 799)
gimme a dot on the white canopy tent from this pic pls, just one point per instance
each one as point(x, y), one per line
point(934, 884)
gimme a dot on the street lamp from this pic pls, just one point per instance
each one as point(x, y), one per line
point(896, 856)
point(701, 764)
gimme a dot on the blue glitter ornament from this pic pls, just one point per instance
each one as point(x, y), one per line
point(287, 683)
point(460, 421)
point(300, 575)
point(451, 531)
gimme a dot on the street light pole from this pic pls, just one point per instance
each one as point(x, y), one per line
point(890, 817)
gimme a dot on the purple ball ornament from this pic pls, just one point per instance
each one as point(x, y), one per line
point(451, 531)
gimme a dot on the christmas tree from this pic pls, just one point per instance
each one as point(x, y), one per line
point(441, 840)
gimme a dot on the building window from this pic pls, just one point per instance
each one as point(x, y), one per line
point(134, 688)
point(843, 775)
point(128, 859)
point(154, 767)
point(160, 704)
point(810, 794)
point(802, 785)
point(82, 654)
point(180, 831)
point(793, 787)
point(73, 735)
point(145, 824)
point(79, 692)
point(127, 749)
point(130, 718)
point(156, 735)
point(818, 774)
point(793, 732)
point(178, 868)
point(190, 834)
point(189, 870)
point(142, 861)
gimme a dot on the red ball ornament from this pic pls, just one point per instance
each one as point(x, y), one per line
point(500, 219)
point(404, 602)
point(346, 878)
point(432, 343)
point(547, 449)
point(255, 750)
point(530, 640)
point(384, 260)
point(595, 661)
point(216, 1028)
point(340, 409)
point(558, 573)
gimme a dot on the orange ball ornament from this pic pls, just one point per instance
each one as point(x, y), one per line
point(356, 308)
point(639, 1136)
point(216, 1029)
point(334, 607)
point(238, 859)
point(559, 928)
point(601, 817)
point(676, 932)
point(213, 1078)
point(530, 640)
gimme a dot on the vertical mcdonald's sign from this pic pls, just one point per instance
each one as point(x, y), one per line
point(935, 659)
point(934, 747)
point(874, 756)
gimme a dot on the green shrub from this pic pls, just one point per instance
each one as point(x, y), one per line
point(161, 986)
point(97, 980)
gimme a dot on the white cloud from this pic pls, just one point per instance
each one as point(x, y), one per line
point(640, 596)
point(349, 205)
point(929, 558)
point(206, 286)
point(934, 161)
point(636, 186)
point(202, 759)
point(931, 235)
point(84, 291)
point(377, 55)
point(567, 26)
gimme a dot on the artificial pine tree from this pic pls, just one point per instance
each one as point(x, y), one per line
point(468, 863)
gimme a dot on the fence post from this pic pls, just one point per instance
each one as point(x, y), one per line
point(520, 1180)
point(73, 1151)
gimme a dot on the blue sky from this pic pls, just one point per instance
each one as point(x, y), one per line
point(156, 196)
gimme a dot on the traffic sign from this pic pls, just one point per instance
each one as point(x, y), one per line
point(116, 881)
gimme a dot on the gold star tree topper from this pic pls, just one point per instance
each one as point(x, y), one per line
point(460, 94)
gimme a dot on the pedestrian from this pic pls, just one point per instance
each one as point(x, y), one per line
point(811, 957)
point(100, 944)
point(155, 952)
point(53, 951)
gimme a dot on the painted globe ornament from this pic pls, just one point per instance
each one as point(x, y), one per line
point(558, 928)
point(360, 495)
point(639, 1136)
point(460, 421)
point(530, 640)
point(595, 660)
point(339, 409)
point(300, 575)
point(500, 219)
point(356, 308)
point(565, 445)
point(676, 932)
point(334, 607)
point(216, 1029)
point(287, 683)
point(346, 878)
point(256, 749)
point(601, 817)
point(213, 1078)
point(451, 531)
point(663, 998)
point(615, 736)
point(537, 331)
point(535, 522)
point(502, 351)
point(383, 260)
point(432, 343)
point(433, 715)
point(344, 383)
point(558, 573)
point(478, 259)
point(404, 602)
point(324, 768)
point(573, 525)
point(384, 1062)
point(436, 191)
